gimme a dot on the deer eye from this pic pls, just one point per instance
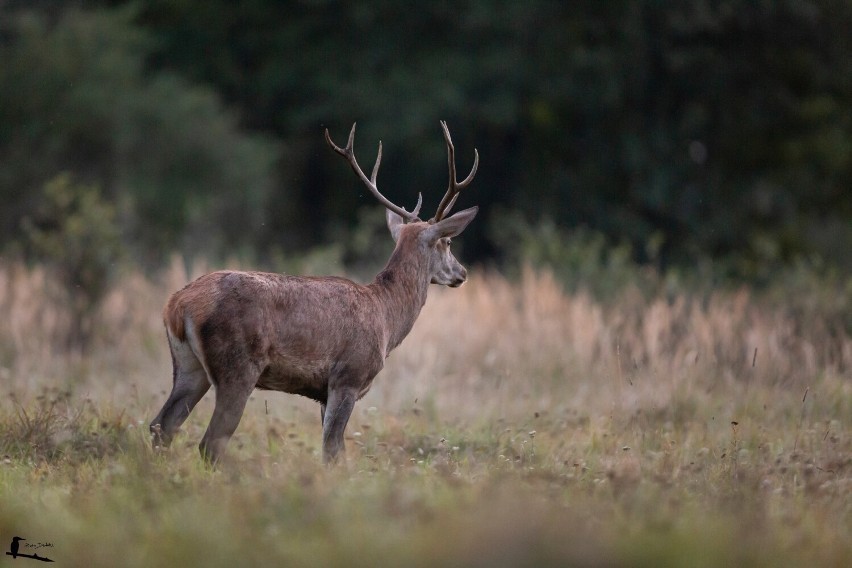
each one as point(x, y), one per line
point(449, 241)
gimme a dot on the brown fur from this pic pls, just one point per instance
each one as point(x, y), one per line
point(294, 328)
point(197, 300)
point(312, 336)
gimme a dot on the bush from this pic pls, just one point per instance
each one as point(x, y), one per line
point(74, 231)
point(580, 258)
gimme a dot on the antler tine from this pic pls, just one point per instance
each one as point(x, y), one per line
point(416, 210)
point(455, 186)
point(376, 166)
point(338, 149)
point(349, 153)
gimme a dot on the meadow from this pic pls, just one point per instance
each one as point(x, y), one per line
point(518, 425)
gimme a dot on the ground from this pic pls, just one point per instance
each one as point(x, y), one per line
point(516, 426)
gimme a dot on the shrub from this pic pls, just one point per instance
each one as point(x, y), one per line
point(74, 231)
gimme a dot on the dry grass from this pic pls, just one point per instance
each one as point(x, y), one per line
point(515, 426)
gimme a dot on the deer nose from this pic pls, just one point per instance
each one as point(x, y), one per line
point(460, 278)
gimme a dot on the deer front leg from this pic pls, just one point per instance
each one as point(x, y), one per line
point(336, 413)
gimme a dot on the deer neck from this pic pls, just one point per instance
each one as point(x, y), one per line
point(401, 289)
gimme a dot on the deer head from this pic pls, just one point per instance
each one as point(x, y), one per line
point(433, 237)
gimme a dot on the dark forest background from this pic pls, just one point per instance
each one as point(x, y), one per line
point(711, 138)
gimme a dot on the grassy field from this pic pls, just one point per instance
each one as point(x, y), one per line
point(516, 426)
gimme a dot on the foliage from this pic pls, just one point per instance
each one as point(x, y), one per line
point(686, 135)
point(75, 232)
point(582, 259)
point(720, 129)
point(75, 97)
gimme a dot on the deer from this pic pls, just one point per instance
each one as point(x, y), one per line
point(322, 337)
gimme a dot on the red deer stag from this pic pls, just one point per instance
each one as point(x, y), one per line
point(325, 338)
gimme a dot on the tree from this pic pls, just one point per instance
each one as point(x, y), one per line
point(75, 97)
point(720, 129)
point(714, 129)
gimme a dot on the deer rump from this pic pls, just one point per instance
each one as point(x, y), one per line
point(284, 333)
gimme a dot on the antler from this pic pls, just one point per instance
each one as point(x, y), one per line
point(455, 186)
point(349, 154)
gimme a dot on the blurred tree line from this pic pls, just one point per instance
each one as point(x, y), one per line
point(678, 132)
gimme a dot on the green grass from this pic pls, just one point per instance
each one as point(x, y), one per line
point(561, 488)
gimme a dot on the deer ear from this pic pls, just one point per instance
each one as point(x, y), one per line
point(395, 223)
point(452, 225)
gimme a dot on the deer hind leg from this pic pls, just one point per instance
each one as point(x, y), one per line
point(190, 384)
point(337, 410)
point(232, 393)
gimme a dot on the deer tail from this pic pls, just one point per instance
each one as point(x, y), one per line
point(174, 317)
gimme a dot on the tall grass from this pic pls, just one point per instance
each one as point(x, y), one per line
point(516, 425)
